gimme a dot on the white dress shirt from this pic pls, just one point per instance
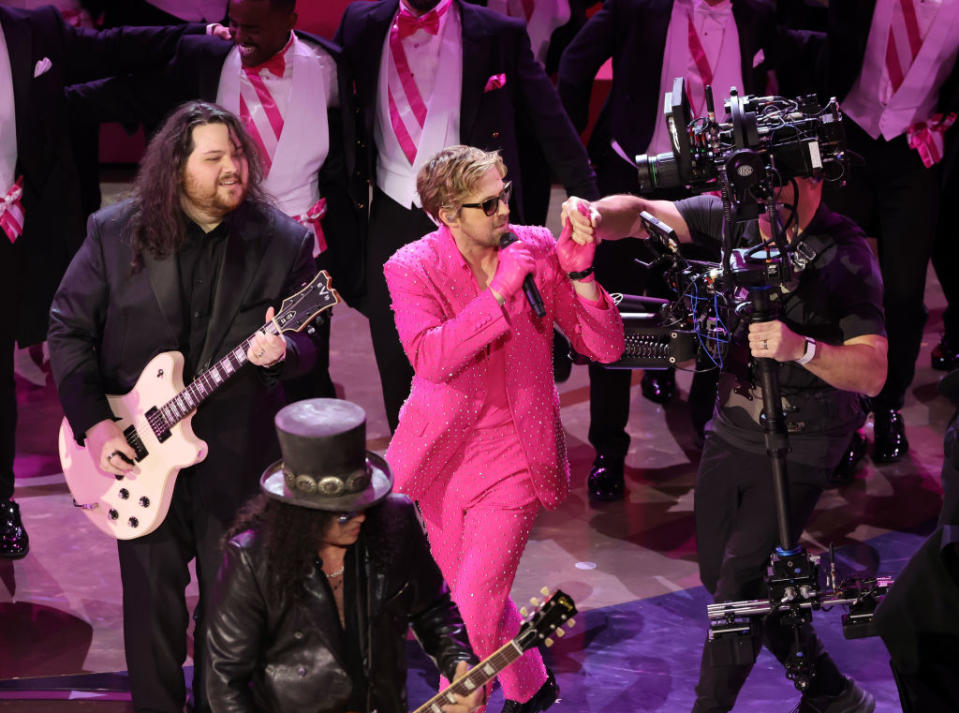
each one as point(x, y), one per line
point(303, 97)
point(8, 121)
point(441, 92)
point(719, 37)
point(872, 103)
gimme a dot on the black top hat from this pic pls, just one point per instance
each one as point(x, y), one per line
point(325, 463)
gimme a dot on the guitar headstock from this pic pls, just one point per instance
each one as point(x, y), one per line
point(300, 309)
point(546, 620)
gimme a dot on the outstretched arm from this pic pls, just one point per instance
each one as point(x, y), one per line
point(616, 217)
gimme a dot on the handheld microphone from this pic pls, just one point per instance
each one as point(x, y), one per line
point(530, 289)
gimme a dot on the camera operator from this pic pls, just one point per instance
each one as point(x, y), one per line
point(829, 340)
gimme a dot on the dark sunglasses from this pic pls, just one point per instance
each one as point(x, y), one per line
point(344, 517)
point(491, 205)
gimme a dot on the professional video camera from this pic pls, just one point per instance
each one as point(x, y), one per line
point(766, 143)
point(770, 138)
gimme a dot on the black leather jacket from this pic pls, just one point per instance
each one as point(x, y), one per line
point(275, 656)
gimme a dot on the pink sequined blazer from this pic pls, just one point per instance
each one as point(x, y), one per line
point(445, 321)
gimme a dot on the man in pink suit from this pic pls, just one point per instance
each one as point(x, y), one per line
point(479, 444)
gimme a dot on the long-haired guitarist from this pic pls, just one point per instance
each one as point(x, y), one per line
point(193, 262)
point(322, 576)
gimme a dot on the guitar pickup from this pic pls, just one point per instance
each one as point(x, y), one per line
point(158, 424)
point(133, 438)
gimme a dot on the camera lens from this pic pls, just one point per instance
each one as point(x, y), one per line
point(659, 171)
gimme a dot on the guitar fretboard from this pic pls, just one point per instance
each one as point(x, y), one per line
point(187, 401)
point(478, 676)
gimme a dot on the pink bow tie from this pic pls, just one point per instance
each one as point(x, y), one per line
point(276, 65)
point(408, 23)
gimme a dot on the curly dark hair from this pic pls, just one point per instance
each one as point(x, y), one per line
point(157, 224)
point(291, 537)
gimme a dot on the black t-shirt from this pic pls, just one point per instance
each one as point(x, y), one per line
point(838, 297)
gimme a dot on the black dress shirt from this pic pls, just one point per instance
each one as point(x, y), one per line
point(199, 261)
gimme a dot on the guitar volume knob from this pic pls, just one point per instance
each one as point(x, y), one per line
point(113, 514)
point(145, 501)
point(133, 522)
point(124, 493)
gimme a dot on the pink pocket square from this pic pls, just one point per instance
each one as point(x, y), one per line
point(495, 82)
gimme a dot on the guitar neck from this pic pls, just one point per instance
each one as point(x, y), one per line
point(203, 386)
point(478, 676)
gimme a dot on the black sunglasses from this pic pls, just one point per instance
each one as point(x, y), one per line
point(491, 205)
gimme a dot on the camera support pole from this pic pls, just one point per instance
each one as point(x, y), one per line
point(774, 425)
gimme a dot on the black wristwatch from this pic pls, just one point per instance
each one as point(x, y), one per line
point(581, 274)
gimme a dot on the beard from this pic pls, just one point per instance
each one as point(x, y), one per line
point(219, 200)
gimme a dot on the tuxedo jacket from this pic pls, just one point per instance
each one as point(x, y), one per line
point(633, 33)
point(107, 322)
point(46, 54)
point(194, 73)
point(526, 108)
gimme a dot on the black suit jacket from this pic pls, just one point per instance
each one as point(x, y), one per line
point(194, 73)
point(527, 108)
point(107, 322)
point(30, 269)
point(633, 33)
point(285, 657)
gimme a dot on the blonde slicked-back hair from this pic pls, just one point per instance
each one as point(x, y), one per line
point(451, 175)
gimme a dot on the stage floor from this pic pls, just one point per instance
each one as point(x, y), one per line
point(630, 566)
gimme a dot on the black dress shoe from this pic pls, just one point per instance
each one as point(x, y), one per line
point(659, 386)
point(606, 478)
point(846, 470)
point(14, 542)
point(541, 700)
point(890, 431)
point(944, 357)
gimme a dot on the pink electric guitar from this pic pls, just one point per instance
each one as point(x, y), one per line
point(155, 419)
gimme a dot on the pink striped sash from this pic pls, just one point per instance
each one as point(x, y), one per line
point(11, 211)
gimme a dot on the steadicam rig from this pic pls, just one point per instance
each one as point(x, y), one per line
point(763, 145)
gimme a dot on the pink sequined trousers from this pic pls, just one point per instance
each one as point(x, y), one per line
point(478, 518)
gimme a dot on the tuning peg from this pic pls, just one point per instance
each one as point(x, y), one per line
point(544, 591)
point(523, 611)
point(571, 623)
point(559, 632)
point(534, 601)
point(548, 642)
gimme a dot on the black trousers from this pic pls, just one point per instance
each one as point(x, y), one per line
point(8, 412)
point(609, 395)
point(9, 298)
point(153, 570)
point(945, 255)
point(895, 199)
point(391, 227)
point(736, 532)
